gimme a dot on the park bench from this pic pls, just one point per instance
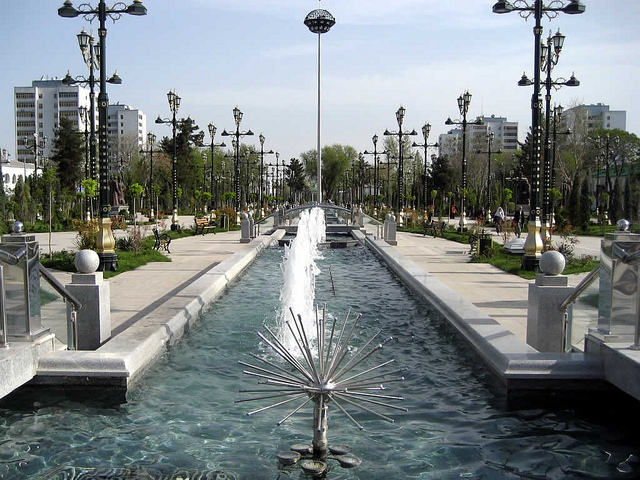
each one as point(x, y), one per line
point(435, 228)
point(202, 225)
point(162, 241)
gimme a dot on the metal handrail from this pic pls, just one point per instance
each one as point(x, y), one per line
point(72, 326)
point(13, 259)
point(581, 287)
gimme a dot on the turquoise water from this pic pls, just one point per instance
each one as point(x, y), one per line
point(182, 414)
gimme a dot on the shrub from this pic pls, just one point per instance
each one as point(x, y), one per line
point(87, 234)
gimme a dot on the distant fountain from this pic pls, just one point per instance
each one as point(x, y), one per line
point(320, 366)
point(300, 270)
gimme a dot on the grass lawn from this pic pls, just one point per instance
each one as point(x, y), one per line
point(508, 262)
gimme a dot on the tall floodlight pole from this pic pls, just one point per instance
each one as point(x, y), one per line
point(319, 21)
point(533, 245)
point(105, 242)
point(426, 129)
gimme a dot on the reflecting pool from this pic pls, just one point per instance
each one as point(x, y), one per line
point(181, 417)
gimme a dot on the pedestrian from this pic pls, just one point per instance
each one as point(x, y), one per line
point(518, 221)
point(498, 219)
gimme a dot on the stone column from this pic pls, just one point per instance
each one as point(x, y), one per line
point(245, 228)
point(545, 323)
point(93, 321)
point(391, 231)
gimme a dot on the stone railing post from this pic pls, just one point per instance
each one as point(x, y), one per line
point(93, 320)
point(245, 228)
point(545, 322)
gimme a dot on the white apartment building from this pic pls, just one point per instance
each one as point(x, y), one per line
point(505, 136)
point(38, 110)
point(597, 116)
point(126, 130)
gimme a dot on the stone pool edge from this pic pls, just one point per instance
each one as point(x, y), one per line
point(515, 364)
point(121, 361)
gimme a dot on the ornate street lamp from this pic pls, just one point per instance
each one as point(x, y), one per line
point(151, 138)
point(262, 153)
point(400, 198)
point(105, 243)
point(490, 136)
point(426, 194)
point(174, 105)
point(376, 172)
point(319, 21)
point(237, 117)
point(464, 100)
point(212, 134)
point(533, 245)
point(549, 57)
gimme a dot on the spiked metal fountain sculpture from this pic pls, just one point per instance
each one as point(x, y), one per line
point(323, 373)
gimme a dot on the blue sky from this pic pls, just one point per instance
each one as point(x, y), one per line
point(258, 55)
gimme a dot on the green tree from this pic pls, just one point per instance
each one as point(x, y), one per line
point(68, 154)
point(585, 205)
point(336, 159)
point(295, 178)
point(573, 209)
point(135, 190)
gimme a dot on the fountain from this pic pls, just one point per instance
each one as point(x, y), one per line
point(318, 372)
point(181, 419)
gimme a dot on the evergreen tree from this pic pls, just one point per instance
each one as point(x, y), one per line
point(295, 177)
point(68, 154)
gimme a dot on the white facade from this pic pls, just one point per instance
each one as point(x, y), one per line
point(126, 130)
point(38, 110)
point(597, 116)
point(12, 171)
point(505, 136)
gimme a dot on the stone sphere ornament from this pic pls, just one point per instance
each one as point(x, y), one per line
point(86, 261)
point(552, 263)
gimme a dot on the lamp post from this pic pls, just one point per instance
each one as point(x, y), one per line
point(376, 172)
point(319, 21)
point(212, 134)
point(533, 244)
point(151, 138)
point(490, 137)
point(549, 57)
point(237, 116)
point(400, 198)
point(84, 117)
point(262, 153)
point(174, 106)
point(464, 100)
point(426, 129)
point(105, 243)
